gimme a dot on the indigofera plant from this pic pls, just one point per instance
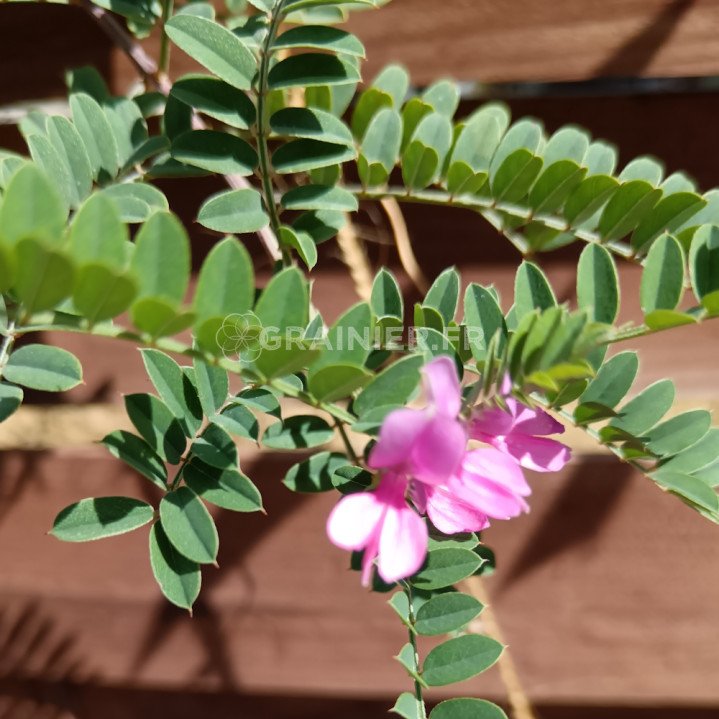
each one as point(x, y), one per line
point(88, 244)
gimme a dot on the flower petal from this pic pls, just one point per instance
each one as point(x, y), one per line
point(438, 451)
point(354, 520)
point(538, 453)
point(490, 422)
point(402, 544)
point(400, 431)
point(450, 515)
point(532, 420)
point(497, 466)
point(442, 386)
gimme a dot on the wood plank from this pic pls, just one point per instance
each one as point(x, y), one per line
point(525, 40)
point(582, 593)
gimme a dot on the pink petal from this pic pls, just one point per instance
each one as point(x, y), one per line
point(528, 420)
point(402, 544)
point(451, 516)
point(490, 422)
point(506, 386)
point(442, 386)
point(538, 453)
point(354, 520)
point(399, 432)
point(438, 450)
point(497, 466)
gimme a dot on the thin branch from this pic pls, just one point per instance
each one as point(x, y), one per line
point(355, 257)
point(148, 69)
point(403, 242)
point(519, 702)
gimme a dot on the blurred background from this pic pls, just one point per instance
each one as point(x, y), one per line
point(607, 593)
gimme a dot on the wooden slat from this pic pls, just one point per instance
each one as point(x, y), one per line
point(523, 40)
point(607, 593)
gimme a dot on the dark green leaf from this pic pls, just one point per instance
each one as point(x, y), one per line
point(678, 433)
point(216, 98)
point(310, 69)
point(134, 451)
point(298, 432)
point(446, 613)
point(157, 425)
point(189, 526)
point(178, 577)
point(459, 659)
point(227, 488)
point(314, 474)
point(446, 567)
point(663, 278)
point(234, 211)
point(215, 151)
point(467, 709)
point(598, 284)
point(393, 386)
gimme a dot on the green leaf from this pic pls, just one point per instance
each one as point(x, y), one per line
point(31, 208)
point(393, 386)
point(386, 298)
point(238, 420)
point(319, 197)
point(370, 103)
point(43, 367)
point(217, 99)
point(215, 447)
point(175, 389)
point(304, 155)
point(699, 455)
point(663, 277)
point(337, 381)
point(459, 659)
point(260, 400)
point(381, 145)
point(349, 339)
point(234, 211)
point(215, 151)
point(49, 160)
point(310, 69)
point(226, 284)
point(311, 124)
point(159, 317)
point(97, 233)
point(643, 168)
point(66, 140)
point(101, 293)
point(157, 425)
point(161, 260)
point(626, 208)
point(226, 488)
point(393, 80)
point(215, 47)
point(446, 613)
point(134, 451)
point(320, 37)
point(414, 111)
point(314, 474)
point(128, 126)
point(531, 290)
point(10, 399)
point(298, 432)
point(179, 578)
point(678, 433)
point(696, 493)
point(598, 284)
point(302, 242)
point(465, 708)
point(189, 526)
point(97, 518)
point(646, 409)
point(443, 95)
point(96, 133)
point(483, 318)
point(445, 567)
point(135, 201)
point(613, 380)
point(666, 319)
point(672, 211)
point(443, 295)
point(43, 276)
point(516, 175)
point(213, 386)
point(407, 706)
point(588, 197)
point(704, 261)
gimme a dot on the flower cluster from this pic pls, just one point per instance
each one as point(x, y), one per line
point(422, 456)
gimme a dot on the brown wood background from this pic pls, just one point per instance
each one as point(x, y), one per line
point(608, 590)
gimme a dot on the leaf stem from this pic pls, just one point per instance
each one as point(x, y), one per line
point(346, 440)
point(413, 641)
point(263, 130)
point(164, 61)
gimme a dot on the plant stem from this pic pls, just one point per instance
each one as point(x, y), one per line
point(164, 61)
point(489, 209)
point(413, 641)
point(7, 343)
point(346, 440)
point(263, 130)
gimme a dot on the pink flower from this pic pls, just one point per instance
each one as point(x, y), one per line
point(487, 484)
point(519, 432)
point(381, 523)
point(427, 444)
